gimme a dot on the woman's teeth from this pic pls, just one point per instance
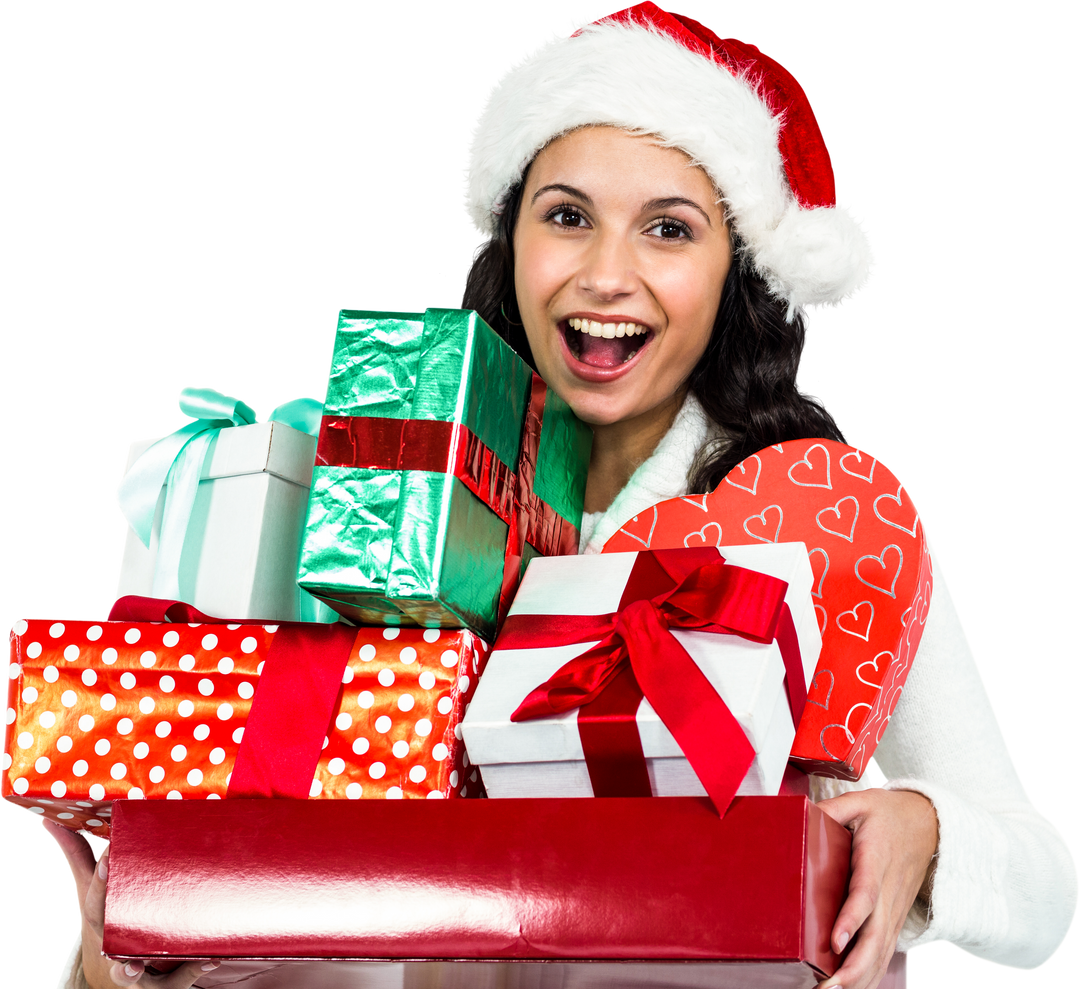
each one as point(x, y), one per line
point(604, 345)
point(607, 330)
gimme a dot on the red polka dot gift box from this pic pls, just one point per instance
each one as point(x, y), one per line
point(681, 672)
point(103, 711)
point(872, 578)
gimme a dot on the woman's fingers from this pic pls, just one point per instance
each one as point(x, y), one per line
point(77, 851)
point(864, 918)
point(870, 874)
point(894, 836)
point(873, 947)
point(186, 974)
point(106, 973)
point(866, 873)
point(134, 973)
point(869, 957)
point(101, 972)
point(94, 901)
point(126, 973)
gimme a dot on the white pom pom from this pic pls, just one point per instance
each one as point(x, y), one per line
point(812, 256)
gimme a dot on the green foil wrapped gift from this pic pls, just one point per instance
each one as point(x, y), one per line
point(444, 464)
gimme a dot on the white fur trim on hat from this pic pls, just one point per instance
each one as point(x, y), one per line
point(634, 77)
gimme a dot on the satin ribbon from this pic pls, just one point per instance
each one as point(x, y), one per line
point(294, 700)
point(638, 656)
point(452, 448)
point(176, 463)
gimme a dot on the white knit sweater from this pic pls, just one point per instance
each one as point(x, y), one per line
point(1005, 886)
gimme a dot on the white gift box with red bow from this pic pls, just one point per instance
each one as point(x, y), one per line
point(545, 757)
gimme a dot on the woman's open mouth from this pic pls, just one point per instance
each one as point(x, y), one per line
point(604, 346)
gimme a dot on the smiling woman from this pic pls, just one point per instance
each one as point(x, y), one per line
point(194, 190)
point(621, 252)
point(610, 201)
point(661, 206)
point(597, 250)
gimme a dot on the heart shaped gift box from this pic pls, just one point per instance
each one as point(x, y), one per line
point(872, 578)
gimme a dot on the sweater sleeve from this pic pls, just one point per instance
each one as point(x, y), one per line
point(1005, 885)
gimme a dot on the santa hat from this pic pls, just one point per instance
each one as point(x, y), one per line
point(738, 114)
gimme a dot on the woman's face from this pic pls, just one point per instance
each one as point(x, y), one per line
point(620, 257)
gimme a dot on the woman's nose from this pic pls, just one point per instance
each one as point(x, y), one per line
point(608, 271)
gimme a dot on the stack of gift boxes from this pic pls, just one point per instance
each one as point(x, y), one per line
point(442, 465)
point(309, 607)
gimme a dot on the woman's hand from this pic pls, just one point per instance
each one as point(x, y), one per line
point(102, 972)
point(895, 836)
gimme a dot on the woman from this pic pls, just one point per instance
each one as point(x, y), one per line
point(629, 433)
point(661, 204)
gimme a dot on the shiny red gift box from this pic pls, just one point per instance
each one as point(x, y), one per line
point(102, 711)
point(648, 891)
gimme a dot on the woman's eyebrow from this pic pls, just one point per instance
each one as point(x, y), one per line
point(660, 204)
point(569, 190)
point(651, 206)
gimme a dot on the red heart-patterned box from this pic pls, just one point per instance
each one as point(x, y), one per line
point(872, 578)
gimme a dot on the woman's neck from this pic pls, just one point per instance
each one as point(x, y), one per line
point(619, 448)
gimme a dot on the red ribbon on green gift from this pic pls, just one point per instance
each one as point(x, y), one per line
point(637, 656)
point(452, 448)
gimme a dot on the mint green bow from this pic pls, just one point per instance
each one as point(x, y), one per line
point(176, 463)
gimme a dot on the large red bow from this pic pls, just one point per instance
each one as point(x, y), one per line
point(638, 656)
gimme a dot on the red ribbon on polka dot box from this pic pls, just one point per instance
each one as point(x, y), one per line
point(102, 711)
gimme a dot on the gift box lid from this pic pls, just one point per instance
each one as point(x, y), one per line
point(521, 880)
point(748, 675)
point(263, 447)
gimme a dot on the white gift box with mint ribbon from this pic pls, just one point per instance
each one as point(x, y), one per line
point(216, 510)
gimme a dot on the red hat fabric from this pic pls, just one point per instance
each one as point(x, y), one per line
point(737, 113)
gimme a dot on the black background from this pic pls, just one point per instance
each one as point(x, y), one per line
point(199, 200)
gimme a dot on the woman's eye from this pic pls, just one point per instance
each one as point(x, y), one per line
point(568, 218)
point(668, 230)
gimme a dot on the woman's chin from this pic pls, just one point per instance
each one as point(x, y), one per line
point(596, 418)
point(642, 415)
point(598, 412)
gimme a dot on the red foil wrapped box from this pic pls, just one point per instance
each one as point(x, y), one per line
point(616, 892)
point(103, 711)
